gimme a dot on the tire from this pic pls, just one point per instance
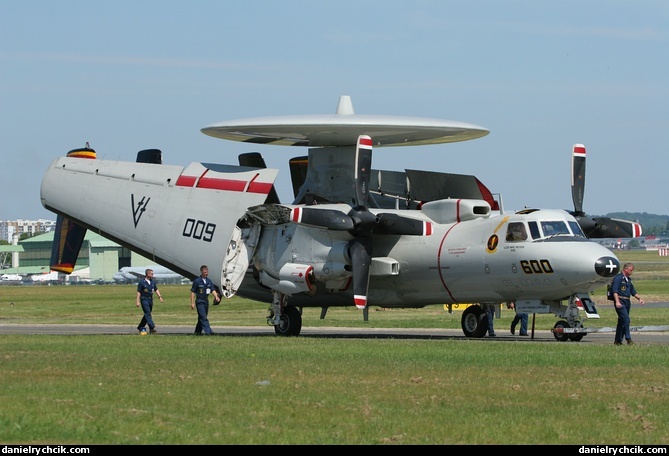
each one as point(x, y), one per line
point(291, 322)
point(561, 337)
point(474, 322)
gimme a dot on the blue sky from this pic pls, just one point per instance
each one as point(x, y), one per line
point(540, 75)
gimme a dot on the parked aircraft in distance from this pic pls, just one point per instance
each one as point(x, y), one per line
point(46, 277)
point(11, 278)
point(132, 274)
point(352, 236)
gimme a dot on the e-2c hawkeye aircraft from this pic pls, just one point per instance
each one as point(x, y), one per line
point(352, 235)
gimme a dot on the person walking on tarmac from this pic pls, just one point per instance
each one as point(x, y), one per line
point(490, 313)
point(623, 289)
point(145, 289)
point(521, 317)
point(199, 298)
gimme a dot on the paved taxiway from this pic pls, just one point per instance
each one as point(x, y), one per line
point(640, 337)
point(503, 335)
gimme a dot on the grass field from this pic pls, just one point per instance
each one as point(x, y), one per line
point(181, 389)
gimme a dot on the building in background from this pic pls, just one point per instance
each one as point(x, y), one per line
point(99, 260)
point(9, 228)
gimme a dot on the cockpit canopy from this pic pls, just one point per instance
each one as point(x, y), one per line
point(542, 228)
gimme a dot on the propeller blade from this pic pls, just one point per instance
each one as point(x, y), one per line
point(390, 223)
point(588, 225)
point(615, 228)
point(363, 169)
point(595, 227)
point(361, 257)
point(330, 219)
point(578, 177)
point(360, 222)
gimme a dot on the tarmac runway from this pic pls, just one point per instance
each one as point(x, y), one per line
point(603, 336)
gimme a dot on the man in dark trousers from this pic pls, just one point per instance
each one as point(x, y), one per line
point(199, 299)
point(145, 289)
point(623, 289)
point(521, 317)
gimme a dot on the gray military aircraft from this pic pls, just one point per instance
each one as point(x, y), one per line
point(352, 235)
point(132, 274)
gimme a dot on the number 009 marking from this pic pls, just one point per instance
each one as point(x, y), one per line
point(536, 266)
point(197, 229)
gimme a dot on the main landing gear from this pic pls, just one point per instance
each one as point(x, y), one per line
point(474, 321)
point(286, 318)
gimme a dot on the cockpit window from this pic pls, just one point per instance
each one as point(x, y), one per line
point(534, 230)
point(554, 228)
point(576, 229)
point(516, 232)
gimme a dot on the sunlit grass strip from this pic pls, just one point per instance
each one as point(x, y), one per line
point(260, 390)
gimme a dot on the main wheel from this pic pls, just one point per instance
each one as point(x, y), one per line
point(561, 336)
point(291, 322)
point(474, 322)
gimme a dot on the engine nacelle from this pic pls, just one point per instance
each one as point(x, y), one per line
point(456, 210)
point(293, 278)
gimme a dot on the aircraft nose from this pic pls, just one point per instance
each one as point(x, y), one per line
point(607, 266)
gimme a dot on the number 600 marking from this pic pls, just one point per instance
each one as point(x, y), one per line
point(197, 229)
point(536, 266)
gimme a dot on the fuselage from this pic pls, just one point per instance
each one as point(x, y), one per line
point(476, 260)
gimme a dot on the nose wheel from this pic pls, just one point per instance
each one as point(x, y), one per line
point(562, 336)
point(557, 331)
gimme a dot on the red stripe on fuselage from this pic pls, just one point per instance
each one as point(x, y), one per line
point(221, 184)
point(230, 185)
point(186, 181)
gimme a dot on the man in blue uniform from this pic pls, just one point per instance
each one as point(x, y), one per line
point(199, 298)
point(145, 289)
point(623, 289)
